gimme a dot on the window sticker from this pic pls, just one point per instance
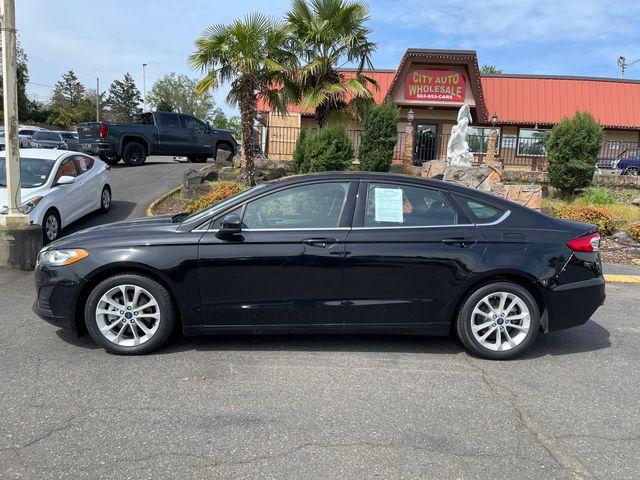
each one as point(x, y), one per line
point(388, 205)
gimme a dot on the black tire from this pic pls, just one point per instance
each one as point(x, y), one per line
point(198, 159)
point(166, 321)
point(110, 159)
point(465, 319)
point(134, 154)
point(105, 205)
point(50, 226)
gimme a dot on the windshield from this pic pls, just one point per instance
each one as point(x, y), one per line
point(68, 136)
point(46, 136)
point(34, 172)
point(220, 206)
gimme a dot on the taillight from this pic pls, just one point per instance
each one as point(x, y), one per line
point(588, 243)
point(103, 130)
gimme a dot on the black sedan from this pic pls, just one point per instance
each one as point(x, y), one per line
point(329, 253)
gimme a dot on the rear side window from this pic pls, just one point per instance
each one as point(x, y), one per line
point(170, 120)
point(479, 212)
point(390, 205)
point(83, 164)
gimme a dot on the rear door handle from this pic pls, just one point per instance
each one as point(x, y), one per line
point(320, 242)
point(459, 241)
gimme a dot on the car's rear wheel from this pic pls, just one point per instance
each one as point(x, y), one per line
point(105, 199)
point(134, 154)
point(498, 321)
point(129, 314)
point(110, 159)
point(50, 226)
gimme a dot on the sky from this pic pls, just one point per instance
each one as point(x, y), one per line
point(108, 38)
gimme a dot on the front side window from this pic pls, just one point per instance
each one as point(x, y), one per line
point(406, 206)
point(532, 143)
point(479, 138)
point(67, 168)
point(318, 205)
point(170, 120)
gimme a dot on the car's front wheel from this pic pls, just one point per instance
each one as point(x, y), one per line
point(50, 226)
point(129, 314)
point(498, 321)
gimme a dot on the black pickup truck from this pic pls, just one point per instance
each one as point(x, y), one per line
point(156, 133)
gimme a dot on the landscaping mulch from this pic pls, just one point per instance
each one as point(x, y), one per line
point(614, 252)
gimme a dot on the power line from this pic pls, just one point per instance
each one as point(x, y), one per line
point(40, 84)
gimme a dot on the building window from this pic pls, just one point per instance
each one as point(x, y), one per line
point(479, 138)
point(532, 143)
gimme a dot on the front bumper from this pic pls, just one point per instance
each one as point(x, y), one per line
point(57, 292)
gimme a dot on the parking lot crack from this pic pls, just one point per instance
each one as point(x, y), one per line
point(571, 465)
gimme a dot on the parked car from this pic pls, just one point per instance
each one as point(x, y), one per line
point(55, 139)
point(24, 141)
point(58, 187)
point(157, 133)
point(629, 163)
point(330, 253)
point(26, 132)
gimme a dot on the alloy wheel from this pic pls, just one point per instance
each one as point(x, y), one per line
point(51, 227)
point(128, 315)
point(106, 199)
point(500, 321)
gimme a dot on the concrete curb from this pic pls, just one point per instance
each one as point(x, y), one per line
point(149, 211)
point(622, 278)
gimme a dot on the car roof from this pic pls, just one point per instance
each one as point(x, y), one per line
point(41, 153)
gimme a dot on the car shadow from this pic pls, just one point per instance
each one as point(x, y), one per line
point(587, 338)
point(120, 210)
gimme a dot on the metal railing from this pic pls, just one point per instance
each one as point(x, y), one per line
point(279, 143)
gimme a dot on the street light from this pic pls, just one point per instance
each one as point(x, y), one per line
point(494, 120)
point(144, 89)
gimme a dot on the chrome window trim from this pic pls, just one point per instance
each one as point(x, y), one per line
point(496, 222)
point(413, 227)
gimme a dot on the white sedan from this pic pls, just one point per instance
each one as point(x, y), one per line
point(58, 187)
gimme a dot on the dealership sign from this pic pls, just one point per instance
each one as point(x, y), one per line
point(435, 85)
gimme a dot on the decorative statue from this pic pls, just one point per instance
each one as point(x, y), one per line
point(458, 153)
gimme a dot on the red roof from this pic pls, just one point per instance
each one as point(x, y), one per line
point(546, 100)
point(531, 99)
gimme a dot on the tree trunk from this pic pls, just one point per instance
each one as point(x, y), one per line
point(248, 109)
point(322, 114)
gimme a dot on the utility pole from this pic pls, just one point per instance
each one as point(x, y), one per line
point(97, 99)
point(14, 217)
point(144, 89)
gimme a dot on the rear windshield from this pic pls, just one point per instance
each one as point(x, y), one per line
point(46, 136)
point(34, 172)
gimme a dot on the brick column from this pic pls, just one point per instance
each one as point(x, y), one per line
point(490, 157)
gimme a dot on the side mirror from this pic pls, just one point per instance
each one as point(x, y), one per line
point(65, 180)
point(231, 225)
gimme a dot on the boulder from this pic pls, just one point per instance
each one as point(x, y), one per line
point(210, 176)
point(276, 173)
point(528, 195)
point(624, 238)
point(192, 178)
point(481, 177)
point(433, 168)
point(636, 201)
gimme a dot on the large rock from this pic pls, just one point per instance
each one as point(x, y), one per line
point(192, 178)
point(625, 239)
point(433, 168)
point(481, 177)
point(527, 195)
point(636, 201)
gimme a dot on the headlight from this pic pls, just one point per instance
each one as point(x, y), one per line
point(58, 258)
point(29, 205)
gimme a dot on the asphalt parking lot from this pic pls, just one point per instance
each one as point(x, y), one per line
point(300, 407)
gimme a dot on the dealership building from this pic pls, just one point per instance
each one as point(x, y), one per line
point(430, 86)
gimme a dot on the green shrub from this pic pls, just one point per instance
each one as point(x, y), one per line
point(221, 191)
point(323, 150)
point(634, 231)
point(379, 137)
point(598, 196)
point(583, 213)
point(573, 147)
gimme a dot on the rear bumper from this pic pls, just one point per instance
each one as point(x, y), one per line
point(574, 303)
point(96, 148)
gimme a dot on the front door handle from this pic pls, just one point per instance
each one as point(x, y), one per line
point(320, 242)
point(461, 242)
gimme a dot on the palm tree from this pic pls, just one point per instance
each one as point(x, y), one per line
point(327, 35)
point(251, 55)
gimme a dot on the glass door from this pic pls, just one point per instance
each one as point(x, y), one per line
point(424, 143)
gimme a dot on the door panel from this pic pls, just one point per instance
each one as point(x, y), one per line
point(173, 137)
point(200, 143)
point(412, 251)
point(89, 183)
point(71, 200)
point(285, 267)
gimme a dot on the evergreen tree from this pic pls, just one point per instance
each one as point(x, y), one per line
point(68, 92)
point(379, 137)
point(25, 106)
point(124, 99)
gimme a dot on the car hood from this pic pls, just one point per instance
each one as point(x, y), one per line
point(135, 231)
